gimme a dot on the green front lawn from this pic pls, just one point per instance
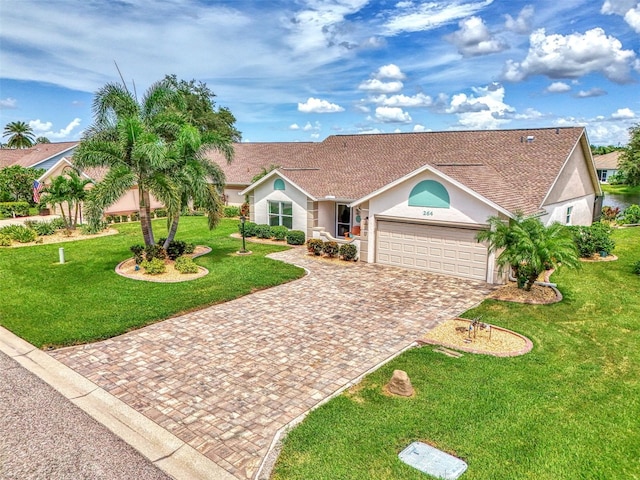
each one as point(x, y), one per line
point(84, 299)
point(620, 189)
point(568, 409)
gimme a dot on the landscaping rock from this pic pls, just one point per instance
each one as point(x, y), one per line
point(400, 384)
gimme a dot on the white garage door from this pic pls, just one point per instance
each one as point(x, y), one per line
point(435, 249)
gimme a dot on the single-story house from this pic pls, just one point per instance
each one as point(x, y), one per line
point(607, 165)
point(417, 200)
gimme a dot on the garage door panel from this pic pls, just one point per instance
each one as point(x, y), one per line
point(447, 250)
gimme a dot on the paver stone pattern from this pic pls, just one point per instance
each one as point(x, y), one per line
point(224, 379)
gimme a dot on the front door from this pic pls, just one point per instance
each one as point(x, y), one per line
point(343, 220)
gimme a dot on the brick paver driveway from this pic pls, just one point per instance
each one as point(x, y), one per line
point(224, 379)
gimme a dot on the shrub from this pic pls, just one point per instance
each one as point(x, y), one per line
point(154, 266)
point(138, 253)
point(93, 228)
point(263, 231)
point(135, 216)
point(14, 209)
point(175, 249)
point(41, 228)
point(249, 229)
point(154, 251)
point(231, 211)
point(5, 240)
point(186, 265)
point(636, 268)
point(331, 249)
point(19, 233)
point(58, 223)
point(189, 248)
point(110, 219)
point(314, 246)
point(348, 252)
point(610, 213)
point(295, 237)
point(631, 214)
point(279, 232)
point(160, 212)
point(593, 239)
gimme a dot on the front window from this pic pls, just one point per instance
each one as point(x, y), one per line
point(568, 216)
point(281, 213)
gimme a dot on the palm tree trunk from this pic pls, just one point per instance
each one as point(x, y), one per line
point(172, 231)
point(145, 215)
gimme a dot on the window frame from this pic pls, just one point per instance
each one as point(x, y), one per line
point(568, 215)
point(280, 216)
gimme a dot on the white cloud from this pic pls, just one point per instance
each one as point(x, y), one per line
point(558, 87)
point(315, 105)
point(392, 115)
point(294, 126)
point(8, 103)
point(308, 127)
point(592, 92)
point(420, 128)
point(431, 15)
point(623, 113)
point(376, 86)
point(628, 9)
point(572, 56)
point(417, 100)
point(44, 129)
point(521, 24)
point(483, 110)
point(390, 72)
point(474, 38)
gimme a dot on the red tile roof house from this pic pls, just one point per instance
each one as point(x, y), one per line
point(417, 200)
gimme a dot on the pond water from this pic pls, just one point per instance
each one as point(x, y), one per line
point(622, 201)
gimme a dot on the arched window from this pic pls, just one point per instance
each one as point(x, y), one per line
point(278, 184)
point(429, 193)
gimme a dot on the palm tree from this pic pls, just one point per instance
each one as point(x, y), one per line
point(20, 135)
point(69, 190)
point(42, 140)
point(529, 248)
point(199, 181)
point(128, 137)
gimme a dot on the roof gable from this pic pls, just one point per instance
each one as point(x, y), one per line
point(34, 156)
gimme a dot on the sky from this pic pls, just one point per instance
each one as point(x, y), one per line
point(301, 70)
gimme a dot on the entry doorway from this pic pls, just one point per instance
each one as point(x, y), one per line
point(343, 219)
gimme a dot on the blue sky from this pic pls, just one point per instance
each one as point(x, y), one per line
point(306, 69)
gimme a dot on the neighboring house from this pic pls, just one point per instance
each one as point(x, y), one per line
point(417, 200)
point(607, 165)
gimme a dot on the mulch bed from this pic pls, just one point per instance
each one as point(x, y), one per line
point(127, 269)
point(496, 341)
point(538, 295)
point(597, 258)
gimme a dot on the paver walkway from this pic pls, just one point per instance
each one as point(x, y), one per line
point(224, 379)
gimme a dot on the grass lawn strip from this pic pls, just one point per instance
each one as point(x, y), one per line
point(84, 300)
point(567, 409)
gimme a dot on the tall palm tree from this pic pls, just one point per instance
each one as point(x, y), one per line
point(20, 135)
point(198, 180)
point(128, 137)
point(42, 140)
point(529, 248)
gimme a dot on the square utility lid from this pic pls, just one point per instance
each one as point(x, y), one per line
point(430, 460)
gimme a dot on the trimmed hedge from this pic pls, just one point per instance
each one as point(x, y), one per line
point(295, 237)
point(348, 252)
point(593, 239)
point(331, 249)
point(263, 231)
point(231, 211)
point(315, 246)
point(154, 266)
point(279, 232)
point(14, 209)
point(186, 265)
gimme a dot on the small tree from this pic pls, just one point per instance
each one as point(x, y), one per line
point(630, 159)
point(528, 247)
point(66, 190)
point(16, 183)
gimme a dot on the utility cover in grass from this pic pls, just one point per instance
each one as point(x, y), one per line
point(430, 460)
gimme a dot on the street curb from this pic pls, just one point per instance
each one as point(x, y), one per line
point(166, 451)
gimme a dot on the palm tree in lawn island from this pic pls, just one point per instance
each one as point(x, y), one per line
point(20, 135)
point(69, 190)
point(128, 138)
point(529, 248)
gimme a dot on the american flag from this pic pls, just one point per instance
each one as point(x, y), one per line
point(37, 187)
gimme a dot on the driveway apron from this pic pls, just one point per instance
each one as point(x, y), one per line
point(226, 378)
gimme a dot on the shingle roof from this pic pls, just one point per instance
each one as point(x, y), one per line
point(608, 161)
point(28, 157)
point(512, 168)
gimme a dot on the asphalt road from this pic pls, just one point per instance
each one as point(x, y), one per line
point(44, 436)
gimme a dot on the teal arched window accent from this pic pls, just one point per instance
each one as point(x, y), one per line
point(278, 184)
point(429, 193)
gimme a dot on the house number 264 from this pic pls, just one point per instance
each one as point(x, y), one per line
point(427, 213)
